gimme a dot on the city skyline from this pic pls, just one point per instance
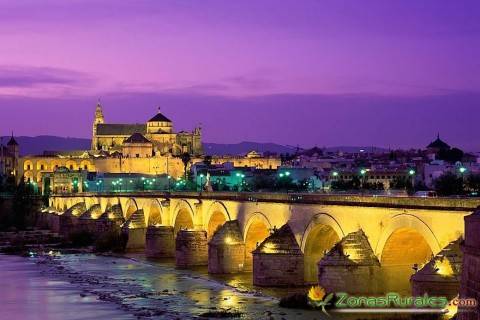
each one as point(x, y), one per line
point(308, 73)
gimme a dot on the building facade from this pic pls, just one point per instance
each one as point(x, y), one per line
point(9, 156)
point(158, 130)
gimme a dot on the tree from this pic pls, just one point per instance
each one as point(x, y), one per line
point(473, 183)
point(265, 182)
point(449, 184)
point(22, 204)
point(402, 183)
point(186, 160)
point(344, 185)
point(207, 161)
point(451, 155)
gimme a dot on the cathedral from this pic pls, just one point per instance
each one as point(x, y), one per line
point(154, 138)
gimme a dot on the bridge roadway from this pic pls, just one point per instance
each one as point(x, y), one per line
point(399, 230)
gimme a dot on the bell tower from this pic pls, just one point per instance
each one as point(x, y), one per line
point(98, 119)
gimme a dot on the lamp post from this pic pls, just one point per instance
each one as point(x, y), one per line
point(363, 172)
point(462, 171)
point(411, 173)
point(240, 176)
point(201, 181)
point(120, 184)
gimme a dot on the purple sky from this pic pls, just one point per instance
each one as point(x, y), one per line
point(385, 73)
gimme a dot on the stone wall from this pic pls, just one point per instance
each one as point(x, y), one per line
point(226, 249)
point(470, 283)
point(191, 248)
point(350, 266)
point(441, 275)
point(277, 269)
point(278, 260)
point(136, 239)
point(160, 242)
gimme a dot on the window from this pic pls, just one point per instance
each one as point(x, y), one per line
point(42, 167)
point(137, 155)
point(71, 167)
point(85, 167)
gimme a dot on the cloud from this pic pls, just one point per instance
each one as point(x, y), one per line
point(30, 77)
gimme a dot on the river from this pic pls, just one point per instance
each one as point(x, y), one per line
point(87, 286)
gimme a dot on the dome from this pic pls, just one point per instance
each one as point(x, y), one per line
point(438, 144)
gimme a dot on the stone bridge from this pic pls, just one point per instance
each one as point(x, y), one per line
point(292, 236)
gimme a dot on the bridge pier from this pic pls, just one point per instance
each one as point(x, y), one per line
point(226, 249)
point(278, 261)
point(441, 275)
point(470, 287)
point(136, 232)
point(66, 223)
point(160, 242)
point(53, 221)
point(191, 248)
point(135, 239)
point(350, 266)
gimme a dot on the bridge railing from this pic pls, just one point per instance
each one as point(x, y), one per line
point(443, 203)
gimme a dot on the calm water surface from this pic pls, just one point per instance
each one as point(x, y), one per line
point(86, 286)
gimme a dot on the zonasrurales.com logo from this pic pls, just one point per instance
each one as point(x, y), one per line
point(392, 302)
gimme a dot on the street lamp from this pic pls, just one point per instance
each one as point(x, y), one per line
point(201, 181)
point(362, 174)
point(411, 173)
point(462, 170)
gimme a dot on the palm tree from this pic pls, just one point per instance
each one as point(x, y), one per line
point(186, 160)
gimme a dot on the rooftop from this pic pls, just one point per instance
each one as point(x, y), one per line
point(137, 138)
point(104, 129)
point(159, 117)
point(438, 144)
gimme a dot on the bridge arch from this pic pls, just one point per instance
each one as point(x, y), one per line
point(183, 216)
point(217, 215)
point(256, 230)
point(129, 208)
point(153, 213)
point(321, 234)
point(406, 232)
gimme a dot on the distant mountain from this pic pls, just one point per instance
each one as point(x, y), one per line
point(37, 145)
point(244, 147)
point(352, 149)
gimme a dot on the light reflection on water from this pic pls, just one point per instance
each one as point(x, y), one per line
point(138, 283)
point(26, 294)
